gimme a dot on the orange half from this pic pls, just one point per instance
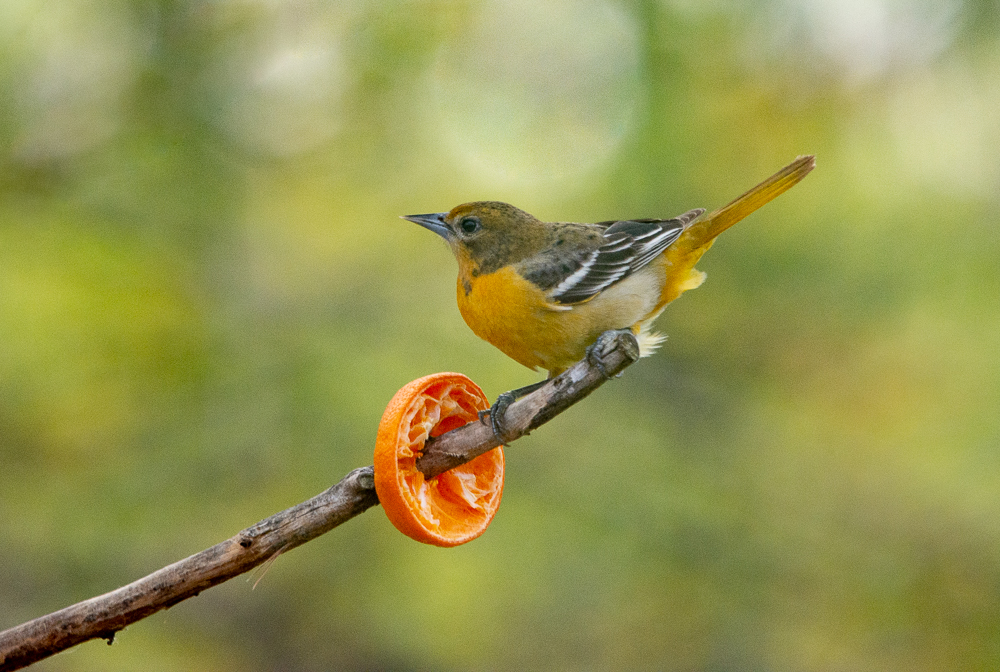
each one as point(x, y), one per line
point(451, 508)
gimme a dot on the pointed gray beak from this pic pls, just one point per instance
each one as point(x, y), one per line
point(434, 222)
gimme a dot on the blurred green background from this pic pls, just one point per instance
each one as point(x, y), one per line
point(207, 299)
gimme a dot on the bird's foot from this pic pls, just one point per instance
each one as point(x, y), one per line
point(497, 412)
point(499, 409)
point(602, 347)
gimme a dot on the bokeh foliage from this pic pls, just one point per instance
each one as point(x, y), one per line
point(206, 299)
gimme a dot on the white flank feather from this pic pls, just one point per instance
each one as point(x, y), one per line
point(649, 340)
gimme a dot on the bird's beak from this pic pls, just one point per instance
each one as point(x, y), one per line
point(434, 222)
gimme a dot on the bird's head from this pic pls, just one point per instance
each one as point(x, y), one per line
point(487, 235)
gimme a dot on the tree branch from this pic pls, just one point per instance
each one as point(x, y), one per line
point(103, 616)
point(465, 443)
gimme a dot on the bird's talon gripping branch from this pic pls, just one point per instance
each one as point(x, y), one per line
point(604, 344)
point(497, 412)
point(499, 409)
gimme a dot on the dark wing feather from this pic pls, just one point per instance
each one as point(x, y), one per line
point(628, 246)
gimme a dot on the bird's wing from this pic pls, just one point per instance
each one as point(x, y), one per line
point(627, 246)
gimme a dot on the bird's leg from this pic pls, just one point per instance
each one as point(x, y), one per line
point(596, 353)
point(499, 409)
point(603, 346)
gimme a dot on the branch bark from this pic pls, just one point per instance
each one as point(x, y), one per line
point(465, 443)
point(104, 615)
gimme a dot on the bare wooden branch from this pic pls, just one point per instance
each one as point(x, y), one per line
point(104, 615)
point(465, 443)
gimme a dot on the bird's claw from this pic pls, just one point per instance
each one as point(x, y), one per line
point(497, 412)
point(602, 347)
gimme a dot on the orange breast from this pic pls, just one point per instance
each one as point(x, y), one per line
point(508, 311)
point(514, 315)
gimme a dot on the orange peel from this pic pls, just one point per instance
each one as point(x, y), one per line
point(456, 506)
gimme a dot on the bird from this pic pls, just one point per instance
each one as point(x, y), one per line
point(544, 293)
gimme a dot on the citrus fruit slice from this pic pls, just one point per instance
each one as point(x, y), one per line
point(457, 505)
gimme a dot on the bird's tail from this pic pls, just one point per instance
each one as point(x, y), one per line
point(714, 223)
point(680, 258)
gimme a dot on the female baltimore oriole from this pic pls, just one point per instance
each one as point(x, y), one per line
point(543, 292)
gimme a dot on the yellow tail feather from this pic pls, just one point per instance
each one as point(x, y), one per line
point(680, 258)
point(719, 220)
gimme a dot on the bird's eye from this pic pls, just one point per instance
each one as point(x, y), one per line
point(469, 225)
